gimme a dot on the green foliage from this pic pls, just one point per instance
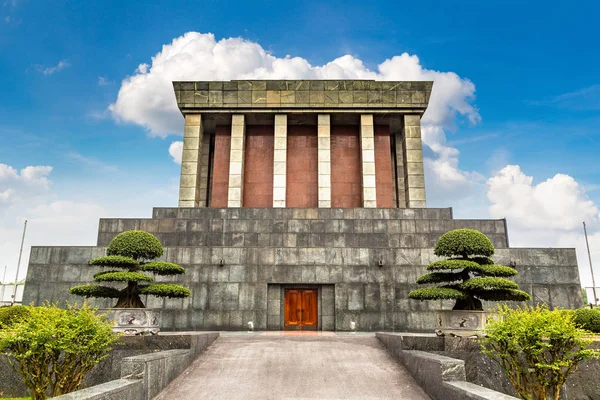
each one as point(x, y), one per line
point(470, 275)
point(488, 283)
point(163, 268)
point(437, 293)
point(12, 314)
point(53, 348)
point(95, 291)
point(464, 243)
point(587, 318)
point(438, 277)
point(134, 252)
point(115, 262)
point(537, 348)
point(138, 245)
point(121, 276)
point(166, 290)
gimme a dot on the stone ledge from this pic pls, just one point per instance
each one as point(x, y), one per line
point(145, 376)
point(470, 390)
point(442, 378)
point(120, 389)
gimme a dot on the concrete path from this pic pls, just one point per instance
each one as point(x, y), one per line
point(282, 366)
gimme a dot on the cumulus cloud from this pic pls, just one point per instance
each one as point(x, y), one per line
point(146, 98)
point(30, 181)
point(557, 203)
point(546, 214)
point(176, 150)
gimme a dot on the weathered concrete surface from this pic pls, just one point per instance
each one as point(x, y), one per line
point(268, 366)
point(480, 370)
point(111, 368)
point(443, 378)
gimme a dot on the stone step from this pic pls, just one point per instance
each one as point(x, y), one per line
point(299, 232)
point(302, 213)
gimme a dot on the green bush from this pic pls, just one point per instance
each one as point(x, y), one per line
point(464, 242)
point(537, 348)
point(53, 348)
point(470, 276)
point(12, 314)
point(138, 245)
point(588, 319)
point(134, 252)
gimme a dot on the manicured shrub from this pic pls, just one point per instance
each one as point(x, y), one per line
point(12, 314)
point(138, 245)
point(133, 252)
point(469, 276)
point(588, 319)
point(537, 348)
point(53, 348)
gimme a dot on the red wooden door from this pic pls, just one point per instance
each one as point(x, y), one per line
point(300, 309)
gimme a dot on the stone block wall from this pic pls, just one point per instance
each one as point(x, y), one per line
point(366, 260)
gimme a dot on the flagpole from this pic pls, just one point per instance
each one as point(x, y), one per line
point(591, 269)
point(14, 297)
point(3, 285)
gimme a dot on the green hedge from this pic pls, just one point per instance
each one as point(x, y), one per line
point(165, 290)
point(437, 293)
point(163, 268)
point(114, 261)
point(588, 319)
point(12, 314)
point(464, 242)
point(95, 291)
point(121, 276)
point(138, 245)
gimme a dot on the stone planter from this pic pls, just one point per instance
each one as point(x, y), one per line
point(134, 321)
point(460, 322)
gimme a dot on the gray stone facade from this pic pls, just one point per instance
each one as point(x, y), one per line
point(239, 261)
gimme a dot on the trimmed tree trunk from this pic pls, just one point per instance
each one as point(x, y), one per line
point(130, 297)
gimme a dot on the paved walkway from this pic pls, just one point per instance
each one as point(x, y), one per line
point(276, 366)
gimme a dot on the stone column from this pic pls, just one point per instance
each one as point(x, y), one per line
point(396, 132)
point(324, 159)
point(190, 161)
point(204, 167)
point(236, 161)
point(414, 178)
point(280, 160)
point(367, 148)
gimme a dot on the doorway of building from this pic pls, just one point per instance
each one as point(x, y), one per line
point(300, 309)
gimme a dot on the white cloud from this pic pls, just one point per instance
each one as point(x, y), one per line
point(62, 64)
point(146, 98)
point(547, 214)
point(103, 81)
point(18, 185)
point(176, 150)
point(65, 219)
point(557, 203)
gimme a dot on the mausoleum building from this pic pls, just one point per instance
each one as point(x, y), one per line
point(302, 205)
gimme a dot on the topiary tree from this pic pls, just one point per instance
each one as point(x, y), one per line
point(133, 252)
point(469, 275)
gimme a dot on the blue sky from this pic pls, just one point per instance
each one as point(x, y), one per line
point(535, 103)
